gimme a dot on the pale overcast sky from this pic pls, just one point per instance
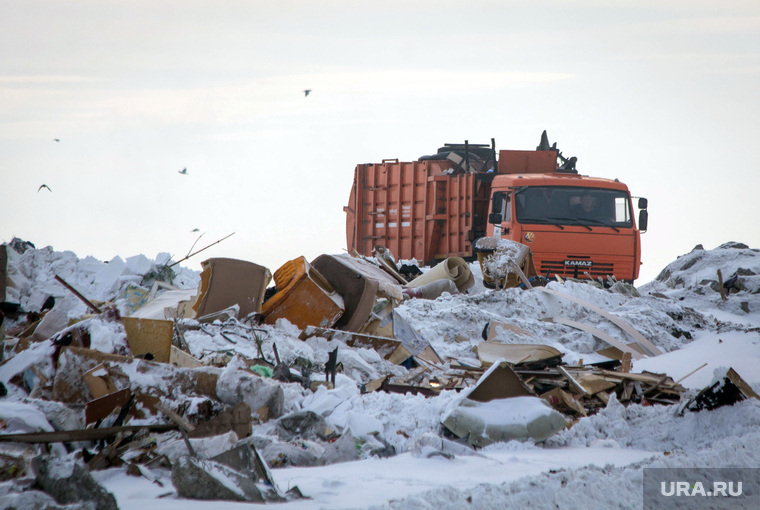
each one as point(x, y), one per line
point(662, 95)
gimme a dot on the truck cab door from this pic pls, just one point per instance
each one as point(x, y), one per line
point(500, 218)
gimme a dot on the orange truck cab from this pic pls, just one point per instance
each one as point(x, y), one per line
point(437, 207)
point(575, 225)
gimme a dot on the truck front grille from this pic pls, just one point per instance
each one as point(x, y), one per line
point(558, 267)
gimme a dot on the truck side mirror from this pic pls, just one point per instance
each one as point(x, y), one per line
point(643, 203)
point(496, 218)
point(496, 200)
point(643, 219)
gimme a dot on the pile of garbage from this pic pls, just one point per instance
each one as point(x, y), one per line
point(221, 375)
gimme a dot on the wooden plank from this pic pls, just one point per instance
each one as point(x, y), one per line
point(594, 384)
point(68, 436)
point(641, 339)
point(573, 383)
point(597, 333)
point(626, 367)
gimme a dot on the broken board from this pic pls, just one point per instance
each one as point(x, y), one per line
point(597, 333)
point(490, 352)
point(646, 344)
point(149, 336)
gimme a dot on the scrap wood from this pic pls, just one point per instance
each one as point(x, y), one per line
point(594, 384)
point(102, 407)
point(374, 385)
point(181, 422)
point(596, 333)
point(414, 390)
point(563, 401)
point(573, 383)
point(107, 455)
point(626, 363)
point(384, 259)
point(77, 294)
point(411, 376)
point(728, 390)
point(500, 381)
point(692, 372)
point(654, 388)
point(641, 339)
point(720, 286)
point(516, 354)
point(520, 274)
point(71, 436)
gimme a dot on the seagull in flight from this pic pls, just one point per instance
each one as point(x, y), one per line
point(44, 186)
point(306, 92)
point(183, 171)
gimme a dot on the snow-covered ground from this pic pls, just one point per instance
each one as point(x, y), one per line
point(595, 464)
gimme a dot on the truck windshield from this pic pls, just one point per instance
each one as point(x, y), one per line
point(572, 205)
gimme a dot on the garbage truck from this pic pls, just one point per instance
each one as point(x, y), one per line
point(438, 206)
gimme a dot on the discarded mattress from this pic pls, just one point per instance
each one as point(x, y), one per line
point(304, 297)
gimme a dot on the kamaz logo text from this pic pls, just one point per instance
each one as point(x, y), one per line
point(579, 263)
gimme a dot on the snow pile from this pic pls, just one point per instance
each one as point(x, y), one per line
point(681, 312)
point(33, 273)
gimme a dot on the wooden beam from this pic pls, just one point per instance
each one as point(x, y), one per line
point(67, 436)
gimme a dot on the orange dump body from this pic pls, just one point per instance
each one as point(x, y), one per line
point(416, 210)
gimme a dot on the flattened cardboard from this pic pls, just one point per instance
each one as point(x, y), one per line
point(149, 336)
point(99, 381)
point(227, 282)
point(500, 382)
point(182, 359)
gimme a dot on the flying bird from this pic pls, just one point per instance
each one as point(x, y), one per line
point(195, 230)
point(183, 171)
point(306, 92)
point(56, 139)
point(44, 186)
